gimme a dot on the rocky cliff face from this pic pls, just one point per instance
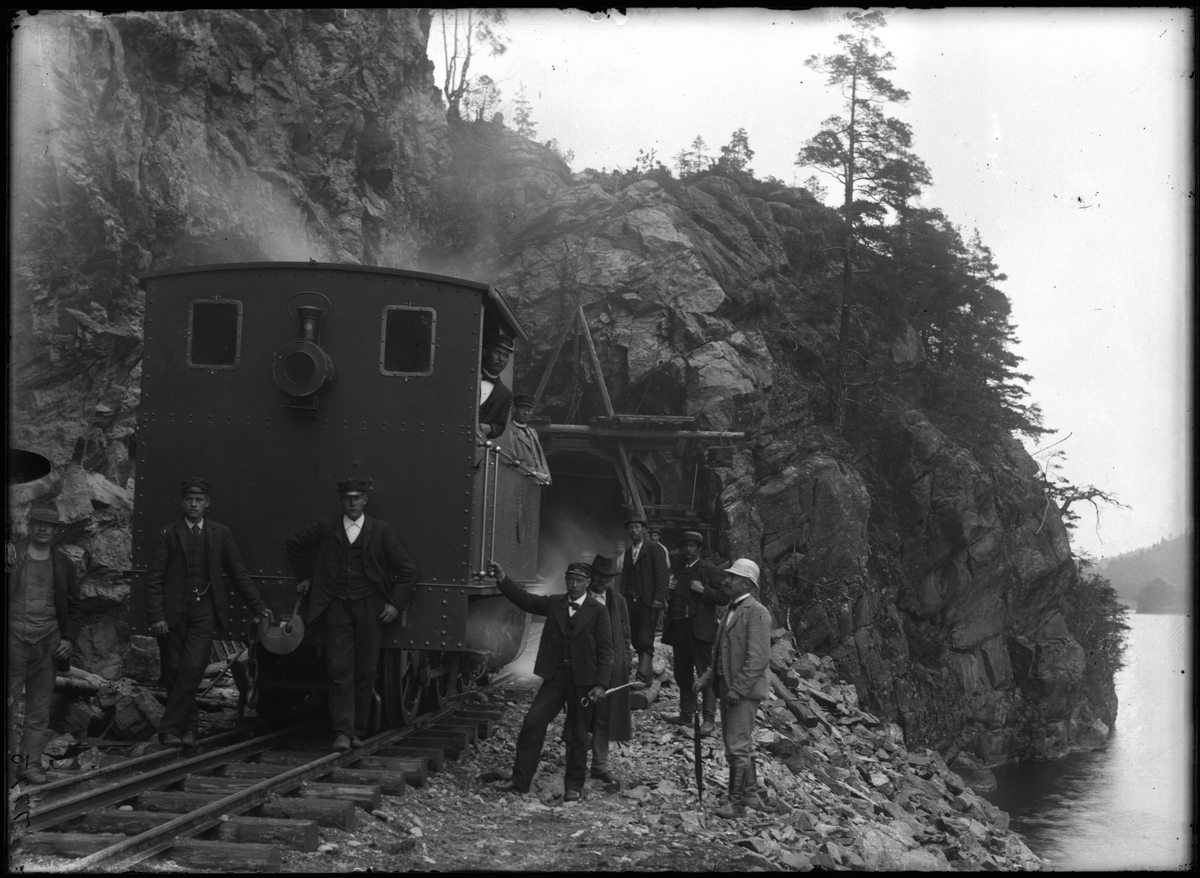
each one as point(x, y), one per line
point(930, 573)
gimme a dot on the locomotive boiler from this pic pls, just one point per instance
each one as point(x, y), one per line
point(275, 380)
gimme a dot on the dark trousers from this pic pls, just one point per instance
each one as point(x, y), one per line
point(692, 657)
point(186, 649)
point(31, 667)
point(555, 692)
point(353, 635)
point(642, 623)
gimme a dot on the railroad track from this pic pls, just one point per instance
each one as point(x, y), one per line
point(238, 799)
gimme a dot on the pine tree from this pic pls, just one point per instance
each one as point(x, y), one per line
point(736, 155)
point(523, 115)
point(868, 153)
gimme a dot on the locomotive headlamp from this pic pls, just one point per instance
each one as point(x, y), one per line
point(302, 368)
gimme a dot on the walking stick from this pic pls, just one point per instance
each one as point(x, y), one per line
point(699, 765)
point(585, 701)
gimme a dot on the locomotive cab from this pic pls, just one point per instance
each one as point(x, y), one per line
point(275, 380)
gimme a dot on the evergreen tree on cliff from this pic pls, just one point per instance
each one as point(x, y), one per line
point(465, 32)
point(867, 152)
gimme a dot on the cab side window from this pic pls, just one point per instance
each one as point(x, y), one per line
point(214, 336)
point(409, 341)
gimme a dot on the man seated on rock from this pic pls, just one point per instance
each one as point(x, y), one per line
point(186, 601)
point(574, 660)
point(44, 618)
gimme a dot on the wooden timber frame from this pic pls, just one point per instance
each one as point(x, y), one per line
point(619, 433)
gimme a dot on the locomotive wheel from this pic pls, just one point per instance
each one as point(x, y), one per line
point(440, 688)
point(401, 691)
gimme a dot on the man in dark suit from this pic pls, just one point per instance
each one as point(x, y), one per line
point(495, 400)
point(644, 587)
point(574, 660)
point(186, 600)
point(612, 718)
point(363, 578)
point(691, 627)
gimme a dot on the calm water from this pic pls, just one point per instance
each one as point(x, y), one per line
point(1129, 806)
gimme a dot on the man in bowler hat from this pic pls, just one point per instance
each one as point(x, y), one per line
point(574, 660)
point(361, 581)
point(691, 627)
point(644, 587)
point(44, 617)
point(612, 718)
point(186, 601)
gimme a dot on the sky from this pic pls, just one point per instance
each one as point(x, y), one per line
point(1064, 136)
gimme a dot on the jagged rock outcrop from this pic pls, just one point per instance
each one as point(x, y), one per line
point(931, 573)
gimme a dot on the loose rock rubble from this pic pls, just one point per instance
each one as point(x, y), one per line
point(847, 794)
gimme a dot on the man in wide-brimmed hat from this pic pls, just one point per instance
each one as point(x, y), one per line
point(44, 618)
point(186, 601)
point(644, 587)
point(361, 581)
point(612, 718)
point(691, 627)
point(574, 660)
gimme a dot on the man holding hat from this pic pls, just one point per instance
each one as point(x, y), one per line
point(186, 600)
point(526, 446)
point(363, 578)
point(495, 400)
point(44, 618)
point(739, 676)
point(644, 587)
point(691, 628)
point(612, 718)
point(574, 659)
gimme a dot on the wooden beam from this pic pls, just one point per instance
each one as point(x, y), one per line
point(635, 435)
point(537, 395)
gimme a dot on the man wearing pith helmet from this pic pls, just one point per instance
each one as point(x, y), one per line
point(44, 618)
point(186, 601)
point(691, 627)
point(361, 581)
point(739, 676)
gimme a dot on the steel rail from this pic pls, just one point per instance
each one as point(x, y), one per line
point(154, 841)
point(54, 813)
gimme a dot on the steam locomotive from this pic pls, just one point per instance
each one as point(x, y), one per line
point(274, 381)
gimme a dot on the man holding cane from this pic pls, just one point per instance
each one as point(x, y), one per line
point(739, 676)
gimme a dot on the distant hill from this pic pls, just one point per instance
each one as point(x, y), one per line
point(1168, 566)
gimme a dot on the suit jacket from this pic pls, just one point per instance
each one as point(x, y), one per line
point(166, 578)
point(743, 650)
point(387, 565)
point(586, 639)
point(495, 408)
point(645, 581)
point(702, 608)
point(67, 606)
point(618, 705)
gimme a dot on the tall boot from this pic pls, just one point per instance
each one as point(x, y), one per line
point(732, 808)
point(708, 713)
point(645, 671)
point(750, 795)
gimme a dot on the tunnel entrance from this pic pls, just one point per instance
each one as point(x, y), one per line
point(583, 514)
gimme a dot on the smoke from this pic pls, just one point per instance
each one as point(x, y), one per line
point(568, 534)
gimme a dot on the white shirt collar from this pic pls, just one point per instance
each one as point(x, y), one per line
point(351, 526)
point(737, 600)
point(599, 595)
point(199, 524)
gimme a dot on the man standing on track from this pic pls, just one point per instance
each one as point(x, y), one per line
point(186, 601)
point(644, 587)
point(574, 660)
point(363, 578)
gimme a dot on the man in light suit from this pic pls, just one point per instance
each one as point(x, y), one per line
point(574, 660)
point(739, 674)
point(644, 587)
point(363, 578)
point(186, 600)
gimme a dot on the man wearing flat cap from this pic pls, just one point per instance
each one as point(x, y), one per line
point(361, 581)
point(44, 617)
point(523, 439)
point(644, 587)
point(495, 400)
point(186, 601)
point(574, 660)
point(691, 628)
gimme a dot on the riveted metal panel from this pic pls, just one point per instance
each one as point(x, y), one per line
point(274, 470)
